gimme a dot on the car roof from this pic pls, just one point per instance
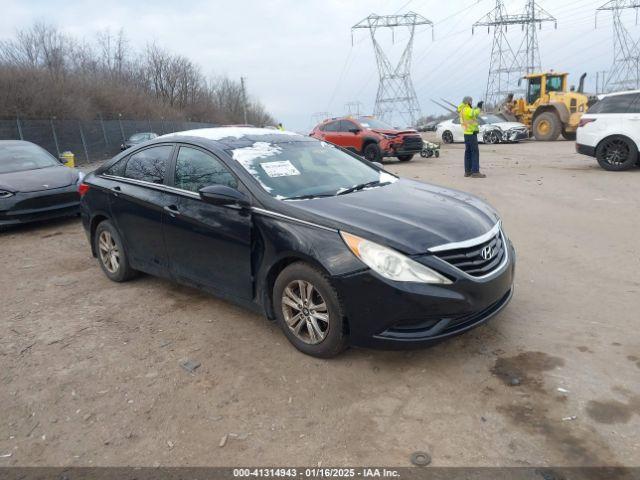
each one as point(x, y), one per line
point(16, 142)
point(612, 94)
point(234, 137)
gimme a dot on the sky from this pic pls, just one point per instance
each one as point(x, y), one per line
point(298, 57)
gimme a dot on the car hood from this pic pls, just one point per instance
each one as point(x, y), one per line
point(508, 125)
point(38, 179)
point(395, 132)
point(411, 217)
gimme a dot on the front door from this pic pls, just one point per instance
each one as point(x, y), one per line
point(209, 246)
point(136, 202)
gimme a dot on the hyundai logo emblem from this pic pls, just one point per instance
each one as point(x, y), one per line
point(486, 253)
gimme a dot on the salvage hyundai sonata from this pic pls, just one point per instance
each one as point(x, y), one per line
point(335, 249)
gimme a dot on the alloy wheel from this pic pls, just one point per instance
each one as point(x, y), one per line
point(305, 312)
point(447, 137)
point(616, 152)
point(109, 252)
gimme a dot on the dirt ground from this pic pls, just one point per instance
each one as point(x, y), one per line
point(90, 370)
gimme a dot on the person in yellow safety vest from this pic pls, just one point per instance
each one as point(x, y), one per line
point(280, 127)
point(469, 121)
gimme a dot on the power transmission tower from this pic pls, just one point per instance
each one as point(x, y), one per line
point(507, 64)
point(625, 70)
point(396, 95)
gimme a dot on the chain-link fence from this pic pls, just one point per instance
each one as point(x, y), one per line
point(90, 141)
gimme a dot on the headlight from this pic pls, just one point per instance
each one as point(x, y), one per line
point(5, 194)
point(389, 263)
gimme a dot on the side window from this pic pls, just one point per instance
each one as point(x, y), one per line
point(149, 164)
point(634, 107)
point(332, 127)
point(196, 169)
point(117, 169)
point(346, 126)
point(456, 120)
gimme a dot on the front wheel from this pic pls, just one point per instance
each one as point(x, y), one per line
point(308, 310)
point(405, 158)
point(447, 136)
point(569, 135)
point(617, 153)
point(492, 137)
point(372, 152)
point(547, 127)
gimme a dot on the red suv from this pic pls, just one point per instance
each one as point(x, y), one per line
point(369, 137)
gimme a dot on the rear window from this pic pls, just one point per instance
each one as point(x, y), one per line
point(615, 104)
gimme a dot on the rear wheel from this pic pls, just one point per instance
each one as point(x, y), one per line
point(447, 136)
point(309, 312)
point(547, 127)
point(617, 153)
point(111, 255)
point(372, 152)
point(405, 158)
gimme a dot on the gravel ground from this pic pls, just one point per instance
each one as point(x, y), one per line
point(90, 370)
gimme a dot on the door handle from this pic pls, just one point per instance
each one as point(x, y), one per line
point(115, 190)
point(172, 210)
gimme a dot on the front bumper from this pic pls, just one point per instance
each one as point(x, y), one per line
point(515, 135)
point(26, 207)
point(393, 315)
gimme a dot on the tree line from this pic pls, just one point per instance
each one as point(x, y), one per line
point(45, 73)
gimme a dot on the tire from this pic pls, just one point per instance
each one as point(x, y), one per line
point(447, 136)
point(547, 127)
point(569, 135)
point(372, 152)
point(424, 154)
point(405, 158)
point(107, 242)
point(491, 137)
point(437, 153)
point(616, 153)
point(332, 337)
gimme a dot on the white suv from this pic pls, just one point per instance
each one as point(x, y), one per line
point(610, 131)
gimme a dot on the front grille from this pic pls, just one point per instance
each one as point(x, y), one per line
point(478, 260)
point(412, 143)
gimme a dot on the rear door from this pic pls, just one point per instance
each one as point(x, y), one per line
point(209, 246)
point(137, 200)
point(331, 132)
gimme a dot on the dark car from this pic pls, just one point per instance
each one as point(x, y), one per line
point(34, 185)
point(138, 138)
point(370, 137)
point(333, 247)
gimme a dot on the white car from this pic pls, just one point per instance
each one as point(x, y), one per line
point(493, 129)
point(610, 131)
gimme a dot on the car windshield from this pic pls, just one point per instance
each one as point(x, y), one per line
point(19, 157)
point(138, 137)
point(370, 122)
point(306, 169)
point(491, 119)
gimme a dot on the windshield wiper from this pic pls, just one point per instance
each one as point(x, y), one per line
point(361, 186)
point(309, 195)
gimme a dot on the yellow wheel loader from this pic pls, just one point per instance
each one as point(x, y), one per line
point(549, 109)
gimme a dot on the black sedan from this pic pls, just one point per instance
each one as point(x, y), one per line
point(34, 185)
point(138, 138)
point(334, 248)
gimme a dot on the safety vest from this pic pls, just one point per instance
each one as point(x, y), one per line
point(469, 118)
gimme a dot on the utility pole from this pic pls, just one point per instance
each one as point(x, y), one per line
point(507, 64)
point(244, 99)
point(624, 73)
point(396, 95)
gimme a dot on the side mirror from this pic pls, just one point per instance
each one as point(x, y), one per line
point(223, 195)
point(355, 131)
